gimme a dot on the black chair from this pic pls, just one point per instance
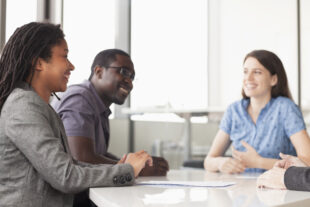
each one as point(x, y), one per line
point(193, 163)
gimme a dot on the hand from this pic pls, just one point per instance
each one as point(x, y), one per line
point(138, 161)
point(230, 165)
point(160, 168)
point(249, 157)
point(122, 160)
point(273, 178)
point(267, 197)
point(288, 161)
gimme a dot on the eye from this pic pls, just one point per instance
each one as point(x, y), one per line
point(258, 72)
point(126, 72)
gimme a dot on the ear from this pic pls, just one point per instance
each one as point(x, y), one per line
point(39, 65)
point(274, 80)
point(98, 71)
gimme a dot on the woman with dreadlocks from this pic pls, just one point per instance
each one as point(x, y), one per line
point(36, 168)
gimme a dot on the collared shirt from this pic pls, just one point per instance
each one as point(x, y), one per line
point(84, 114)
point(276, 123)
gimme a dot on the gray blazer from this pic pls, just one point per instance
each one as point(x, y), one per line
point(297, 178)
point(36, 168)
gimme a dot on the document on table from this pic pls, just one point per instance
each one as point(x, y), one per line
point(208, 184)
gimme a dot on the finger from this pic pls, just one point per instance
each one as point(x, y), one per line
point(234, 167)
point(246, 145)
point(233, 149)
point(236, 162)
point(237, 155)
point(261, 181)
point(122, 160)
point(280, 163)
point(236, 151)
point(140, 152)
point(284, 156)
point(240, 167)
point(149, 160)
point(287, 165)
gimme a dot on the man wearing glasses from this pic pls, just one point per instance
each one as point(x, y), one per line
point(84, 110)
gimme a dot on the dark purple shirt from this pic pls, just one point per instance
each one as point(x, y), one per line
point(84, 114)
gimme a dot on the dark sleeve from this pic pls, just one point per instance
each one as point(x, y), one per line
point(78, 116)
point(297, 178)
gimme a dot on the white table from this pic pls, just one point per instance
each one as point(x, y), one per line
point(186, 114)
point(243, 194)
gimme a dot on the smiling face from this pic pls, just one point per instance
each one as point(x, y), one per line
point(257, 80)
point(57, 69)
point(111, 85)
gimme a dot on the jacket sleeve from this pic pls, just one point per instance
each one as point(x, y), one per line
point(297, 178)
point(28, 126)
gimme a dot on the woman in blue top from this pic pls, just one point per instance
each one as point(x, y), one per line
point(262, 124)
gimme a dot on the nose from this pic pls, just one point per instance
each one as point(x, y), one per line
point(71, 66)
point(248, 76)
point(128, 81)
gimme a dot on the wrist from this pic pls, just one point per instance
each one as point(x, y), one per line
point(260, 162)
point(220, 162)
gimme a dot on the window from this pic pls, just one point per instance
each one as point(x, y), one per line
point(89, 28)
point(169, 50)
point(242, 26)
point(19, 13)
point(305, 59)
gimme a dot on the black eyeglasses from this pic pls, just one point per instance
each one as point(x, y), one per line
point(125, 72)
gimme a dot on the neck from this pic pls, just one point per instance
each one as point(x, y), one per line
point(100, 94)
point(40, 89)
point(257, 104)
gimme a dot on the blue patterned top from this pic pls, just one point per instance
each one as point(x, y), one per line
point(277, 121)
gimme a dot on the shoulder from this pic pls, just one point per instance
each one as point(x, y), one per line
point(80, 90)
point(237, 105)
point(284, 102)
point(76, 97)
point(21, 98)
point(24, 103)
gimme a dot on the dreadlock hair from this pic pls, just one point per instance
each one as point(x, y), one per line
point(20, 54)
point(105, 58)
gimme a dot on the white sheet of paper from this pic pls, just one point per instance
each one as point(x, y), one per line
point(208, 184)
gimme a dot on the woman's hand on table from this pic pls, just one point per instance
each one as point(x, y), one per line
point(230, 165)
